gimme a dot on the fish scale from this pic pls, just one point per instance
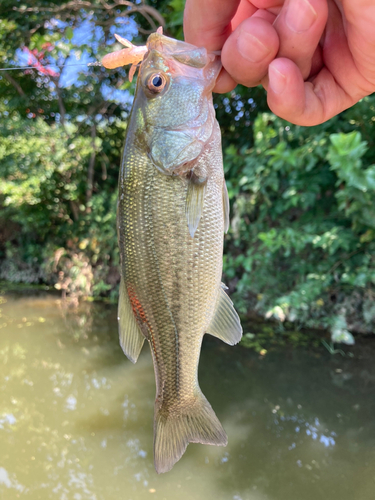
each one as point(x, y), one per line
point(172, 213)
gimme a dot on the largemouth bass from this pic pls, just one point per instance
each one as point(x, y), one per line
point(173, 211)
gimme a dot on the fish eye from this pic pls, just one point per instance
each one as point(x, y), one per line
point(156, 82)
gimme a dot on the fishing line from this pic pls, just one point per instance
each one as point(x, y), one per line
point(97, 63)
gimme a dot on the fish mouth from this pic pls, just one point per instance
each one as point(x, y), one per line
point(183, 52)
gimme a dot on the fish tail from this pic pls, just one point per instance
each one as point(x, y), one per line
point(174, 430)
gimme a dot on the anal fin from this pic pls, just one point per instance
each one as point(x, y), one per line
point(131, 336)
point(225, 323)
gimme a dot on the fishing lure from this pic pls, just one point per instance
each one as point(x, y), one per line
point(133, 55)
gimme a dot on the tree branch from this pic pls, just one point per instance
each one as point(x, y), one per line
point(145, 10)
point(61, 105)
point(90, 171)
point(15, 84)
point(75, 209)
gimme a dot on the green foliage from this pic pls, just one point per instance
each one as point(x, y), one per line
point(61, 141)
point(302, 238)
point(358, 182)
point(43, 192)
point(173, 13)
point(41, 169)
point(302, 243)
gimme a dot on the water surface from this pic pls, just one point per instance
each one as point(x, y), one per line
point(76, 417)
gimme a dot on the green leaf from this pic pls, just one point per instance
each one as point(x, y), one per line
point(69, 33)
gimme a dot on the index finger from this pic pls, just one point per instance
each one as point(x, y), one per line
point(207, 23)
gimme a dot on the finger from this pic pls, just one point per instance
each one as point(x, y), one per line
point(224, 83)
point(317, 62)
point(249, 50)
point(354, 68)
point(304, 103)
point(266, 15)
point(359, 16)
point(265, 8)
point(300, 26)
point(248, 9)
point(267, 4)
point(207, 23)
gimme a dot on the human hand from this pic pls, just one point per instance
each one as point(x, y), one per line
point(314, 57)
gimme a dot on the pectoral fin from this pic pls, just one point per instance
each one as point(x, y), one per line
point(194, 202)
point(131, 337)
point(225, 207)
point(225, 323)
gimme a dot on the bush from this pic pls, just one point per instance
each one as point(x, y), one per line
point(302, 241)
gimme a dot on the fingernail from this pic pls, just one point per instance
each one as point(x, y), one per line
point(300, 15)
point(277, 81)
point(251, 48)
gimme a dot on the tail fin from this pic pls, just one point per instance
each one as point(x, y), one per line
point(173, 431)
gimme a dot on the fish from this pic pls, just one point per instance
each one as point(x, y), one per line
point(173, 211)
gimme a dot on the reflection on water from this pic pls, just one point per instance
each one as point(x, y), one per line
point(76, 416)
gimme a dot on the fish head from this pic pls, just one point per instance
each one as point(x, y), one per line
point(173, 104)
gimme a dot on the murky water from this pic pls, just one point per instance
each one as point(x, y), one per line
point(76, 416)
